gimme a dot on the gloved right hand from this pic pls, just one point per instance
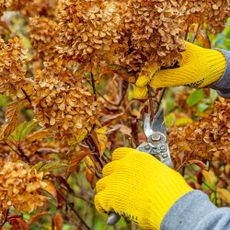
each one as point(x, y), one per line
point(199, 68)
point(138, 186)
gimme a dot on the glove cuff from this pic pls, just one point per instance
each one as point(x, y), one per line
point(171, 190)
point(216, 66)
point(223, 84)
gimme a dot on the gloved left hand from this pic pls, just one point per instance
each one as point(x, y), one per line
point(138, 186)
point(200, 67)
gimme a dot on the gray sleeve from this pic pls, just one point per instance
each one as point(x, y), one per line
point(194, 211)
point(223, 85)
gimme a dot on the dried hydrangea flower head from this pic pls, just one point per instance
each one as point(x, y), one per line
point(207, 139)
point(33, 7)
point(213, 13)
point(63, 102)
point(42, 32)
point(2, 6)
point(129, 33)
point(19, 187)
point(133, 33)
point(12, 66)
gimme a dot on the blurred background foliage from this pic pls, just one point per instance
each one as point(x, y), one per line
point(183, 106)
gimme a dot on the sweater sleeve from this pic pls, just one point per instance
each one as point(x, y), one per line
point(223, 85)
point(194, 211)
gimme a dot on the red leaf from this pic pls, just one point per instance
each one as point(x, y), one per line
point(37, 216)
point(203, 38)
point(11, 118)
point(201, 164)
point(18, 223)
point(57, 221)
point(75, 160)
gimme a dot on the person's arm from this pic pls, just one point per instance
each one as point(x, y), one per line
point(223, 84)
point(141, 188)
point(200, 67)
point(194, 211)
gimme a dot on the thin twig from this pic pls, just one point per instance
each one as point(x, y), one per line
point(89, 166)
point(160, 100)
point(70, 205)
point(93, 86)
point(134, 132)
point(79, 196)
point(107, 101)
point(27, 96)
point(19, 152)
point(195, 34)
point(186, 33)
point(128, 225)
point(123, 91)
point(5, 215)
point(124, 88)
point(151, 102)
point(23, 156)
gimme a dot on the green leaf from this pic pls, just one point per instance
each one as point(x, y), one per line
point(183, 121)
point(195, 97)
point(23, 130)
point(213, 96)
point(47, 167)
point(201, 107)
point(170, 119)
point(170, 106)
point(29, 127)
point(38, 166)
point(3, 100)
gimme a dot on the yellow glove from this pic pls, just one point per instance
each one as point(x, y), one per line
point(199, 67)
point(138, 186)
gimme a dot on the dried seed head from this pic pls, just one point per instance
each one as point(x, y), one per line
point(33, 7)
point(128, 33)
point(133, 34)
point(12, 66)
point(20, 184)
point(207, 139)
point(43, 32)
point(63, 102)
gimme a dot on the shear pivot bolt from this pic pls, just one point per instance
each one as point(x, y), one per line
point(147, 147)
point(155, 137)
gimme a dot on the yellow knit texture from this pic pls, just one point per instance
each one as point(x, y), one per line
point(138, 186)
point(199, 68)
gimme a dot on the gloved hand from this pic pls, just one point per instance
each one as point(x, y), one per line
point(199, 68)
point(138, 186)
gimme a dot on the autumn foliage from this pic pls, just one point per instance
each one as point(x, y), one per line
point(66, 96)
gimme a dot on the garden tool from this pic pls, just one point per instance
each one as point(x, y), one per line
point(156, 145)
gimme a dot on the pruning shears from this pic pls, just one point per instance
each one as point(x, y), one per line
point(156, 145)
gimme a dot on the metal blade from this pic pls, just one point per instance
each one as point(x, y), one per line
point(158, 124)
point(147, 125)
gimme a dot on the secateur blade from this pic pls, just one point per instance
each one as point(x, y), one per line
point(157, 125)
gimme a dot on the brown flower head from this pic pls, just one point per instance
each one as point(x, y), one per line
point(63, 102)
point(19, 187)
point(12, 66)
point(130, 33)
point(33, 7)
point(134, 33)
point(207, 139)
point(212, 13)
point(42, 35)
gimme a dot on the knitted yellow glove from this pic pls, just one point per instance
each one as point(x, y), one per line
point(138, 186)
point(199, 67)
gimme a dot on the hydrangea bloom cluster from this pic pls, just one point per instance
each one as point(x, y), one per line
point(20, 187)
